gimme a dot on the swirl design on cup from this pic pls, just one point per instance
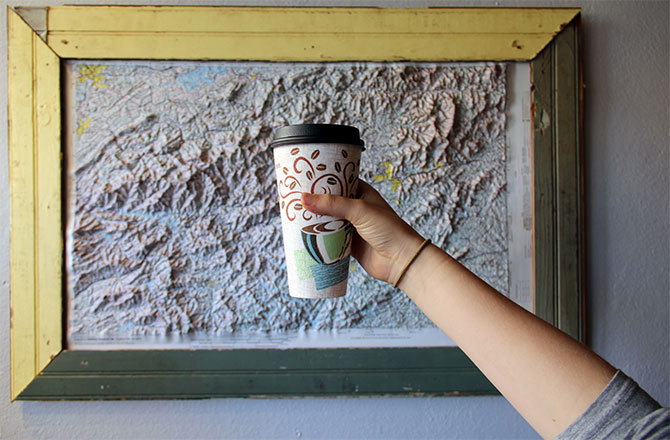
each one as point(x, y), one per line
point(338, 177)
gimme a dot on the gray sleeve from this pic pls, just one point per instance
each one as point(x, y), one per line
point(622, 411)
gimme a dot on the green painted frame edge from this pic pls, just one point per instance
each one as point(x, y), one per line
point(559, 286)
point(558, 158)
point(140, 374)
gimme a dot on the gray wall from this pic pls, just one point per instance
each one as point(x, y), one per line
point(628, 229)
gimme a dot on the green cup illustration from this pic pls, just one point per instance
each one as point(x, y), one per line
point(327, 242)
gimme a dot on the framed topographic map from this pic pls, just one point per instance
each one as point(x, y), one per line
point(146, 252)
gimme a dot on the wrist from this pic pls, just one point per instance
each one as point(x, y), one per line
point(426, 264)
point(410, 261)
point(409, 242)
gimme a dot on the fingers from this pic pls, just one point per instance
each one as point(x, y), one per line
point(343, 207)
point(334, 206)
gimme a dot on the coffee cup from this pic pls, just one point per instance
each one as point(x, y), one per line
point(317, 159)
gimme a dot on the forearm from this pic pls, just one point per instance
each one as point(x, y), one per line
point(547, 376)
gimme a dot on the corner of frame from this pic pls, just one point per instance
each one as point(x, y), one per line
point(34, 17)
point(573, 14)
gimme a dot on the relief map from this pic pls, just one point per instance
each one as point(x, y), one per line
point(173, 216)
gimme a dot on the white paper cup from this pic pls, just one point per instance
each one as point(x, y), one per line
point(318, 159)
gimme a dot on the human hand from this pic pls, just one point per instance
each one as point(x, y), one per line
point(383, 241)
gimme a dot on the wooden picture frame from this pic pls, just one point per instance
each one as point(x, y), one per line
point(42, 368)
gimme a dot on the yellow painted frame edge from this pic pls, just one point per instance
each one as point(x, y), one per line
point(36, 240)
point(35, 135)
point(302, 34)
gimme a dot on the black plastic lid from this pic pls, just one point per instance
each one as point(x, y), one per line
point(317, 133)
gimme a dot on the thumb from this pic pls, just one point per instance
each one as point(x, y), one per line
point(333, 206)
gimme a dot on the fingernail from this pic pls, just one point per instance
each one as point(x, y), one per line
point(307, 198)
